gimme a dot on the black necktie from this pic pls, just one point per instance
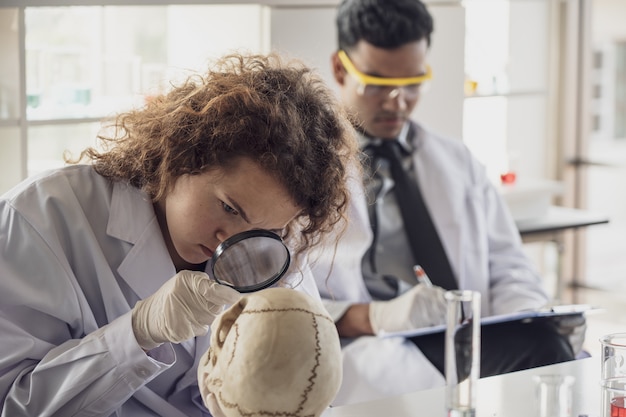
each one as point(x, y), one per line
point(423, 238)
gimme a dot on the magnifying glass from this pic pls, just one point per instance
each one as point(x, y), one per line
point(250, 261)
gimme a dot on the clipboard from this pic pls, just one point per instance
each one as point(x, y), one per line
point(521, 316)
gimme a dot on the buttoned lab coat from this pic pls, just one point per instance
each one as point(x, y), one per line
point(482, 244)
point(77, 252)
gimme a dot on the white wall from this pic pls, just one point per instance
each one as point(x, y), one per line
point(441, 107)
point(608, 20)
point(307, 33)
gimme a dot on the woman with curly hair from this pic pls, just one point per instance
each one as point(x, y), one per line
point(104, 300)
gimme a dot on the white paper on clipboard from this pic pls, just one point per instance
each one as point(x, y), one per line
point(555, 311)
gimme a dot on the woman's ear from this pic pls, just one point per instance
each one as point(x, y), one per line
point(339, 72)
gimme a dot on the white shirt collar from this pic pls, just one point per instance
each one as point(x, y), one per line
point(402, 139)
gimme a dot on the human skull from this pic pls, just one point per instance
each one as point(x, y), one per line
point(276, 352)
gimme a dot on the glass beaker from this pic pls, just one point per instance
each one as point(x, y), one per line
point(613, 375)
point(554, 395)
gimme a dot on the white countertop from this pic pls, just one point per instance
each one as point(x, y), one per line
point(508, 395)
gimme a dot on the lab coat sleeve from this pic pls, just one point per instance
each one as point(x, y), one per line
point(336, 264)
point(300, 278)
point(336, 309)
point(515, 283)
point(48, 365)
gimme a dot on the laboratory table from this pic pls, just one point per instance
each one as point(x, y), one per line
point(551, 227)
point(558, 219)
point(507, 395)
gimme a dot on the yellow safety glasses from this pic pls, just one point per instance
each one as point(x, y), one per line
point(383, 87)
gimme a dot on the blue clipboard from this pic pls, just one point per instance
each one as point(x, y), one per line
point(527, 315)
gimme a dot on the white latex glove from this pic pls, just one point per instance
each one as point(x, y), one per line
point(421, 306)
point(573, 327)
point(182, 308)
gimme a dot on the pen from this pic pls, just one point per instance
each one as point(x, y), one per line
point(421, 276)
point(423, 279)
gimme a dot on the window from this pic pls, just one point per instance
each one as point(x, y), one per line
point(82, 63)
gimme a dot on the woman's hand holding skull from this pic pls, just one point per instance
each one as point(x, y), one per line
point(182, 308)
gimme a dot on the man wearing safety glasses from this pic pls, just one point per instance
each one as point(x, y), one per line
point(460, 231)
point(384, 87)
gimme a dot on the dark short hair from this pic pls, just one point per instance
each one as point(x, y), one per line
point(382, 23)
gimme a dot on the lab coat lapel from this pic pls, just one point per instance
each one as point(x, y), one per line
point(147, 265)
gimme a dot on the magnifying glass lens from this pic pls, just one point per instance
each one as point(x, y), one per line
point(250, 261)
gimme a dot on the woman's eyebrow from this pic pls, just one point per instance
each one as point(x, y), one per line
point(237, 207)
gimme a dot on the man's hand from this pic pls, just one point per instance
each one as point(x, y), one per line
point(573, 327)
point(182, 308)
point(421, 306)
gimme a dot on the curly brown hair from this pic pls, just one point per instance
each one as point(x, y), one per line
point(277, 112)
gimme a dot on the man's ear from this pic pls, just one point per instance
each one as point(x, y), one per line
point(339, 72)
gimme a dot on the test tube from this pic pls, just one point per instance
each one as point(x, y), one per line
point(462, 352)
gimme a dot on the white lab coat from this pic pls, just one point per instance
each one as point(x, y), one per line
point(77, 252)
point(482, 244)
